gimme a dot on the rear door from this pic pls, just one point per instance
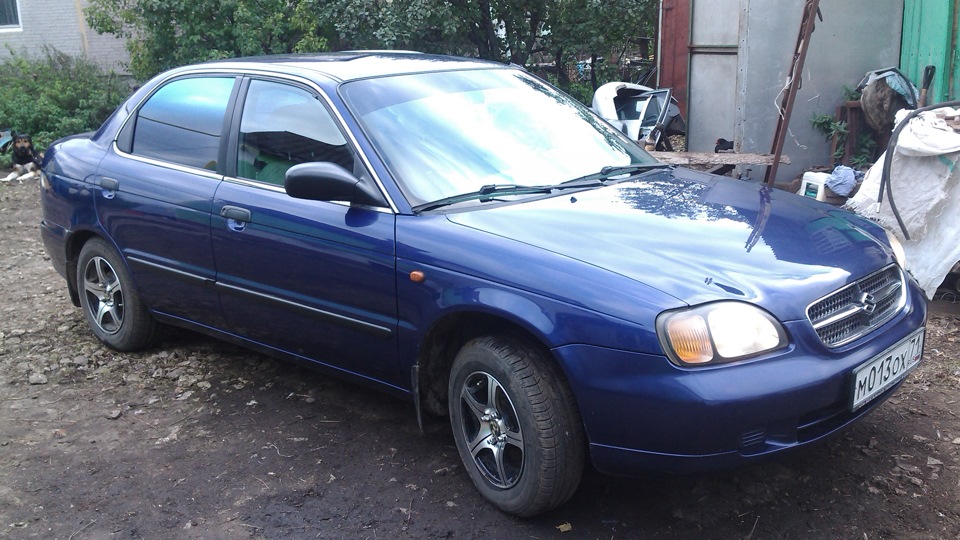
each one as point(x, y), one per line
point(155, 190)
point(312, 278)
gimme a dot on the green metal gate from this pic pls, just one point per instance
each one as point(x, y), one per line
point(930, 38)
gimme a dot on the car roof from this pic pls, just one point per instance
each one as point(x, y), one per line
point(351, 65)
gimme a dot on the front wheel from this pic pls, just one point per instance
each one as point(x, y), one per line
point(516, 425)
point(110, 303)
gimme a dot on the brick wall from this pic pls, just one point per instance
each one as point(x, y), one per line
point(60, 25)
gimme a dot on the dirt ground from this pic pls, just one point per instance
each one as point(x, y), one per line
point(199, 439)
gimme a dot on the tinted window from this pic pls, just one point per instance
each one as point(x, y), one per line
point(183, 121)
point(283, 125)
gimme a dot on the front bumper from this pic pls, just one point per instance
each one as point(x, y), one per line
point(643, 414)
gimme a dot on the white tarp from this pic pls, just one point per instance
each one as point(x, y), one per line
point(925, 181)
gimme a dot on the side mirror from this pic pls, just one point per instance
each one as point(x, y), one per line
point(325, 181)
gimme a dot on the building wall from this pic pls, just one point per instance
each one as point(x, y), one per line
point(855, 36)
point(714, 55)
point(60, 25)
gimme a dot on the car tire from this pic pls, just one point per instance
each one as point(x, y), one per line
point(516, 425)
point(110, 302)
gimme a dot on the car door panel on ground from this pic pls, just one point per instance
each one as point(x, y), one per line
point(337, 275)
point(157, 208)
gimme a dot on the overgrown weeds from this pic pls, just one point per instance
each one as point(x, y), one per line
point(56, 95)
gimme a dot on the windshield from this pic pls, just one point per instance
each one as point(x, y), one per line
point(444, 134)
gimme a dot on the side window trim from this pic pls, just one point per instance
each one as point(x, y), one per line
point(233, 130)
point(125, 137)
point(227, 135)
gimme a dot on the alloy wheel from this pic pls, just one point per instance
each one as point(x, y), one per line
point(491, 429)
point(104, 295)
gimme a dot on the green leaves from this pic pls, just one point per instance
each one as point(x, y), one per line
point(56, 95)
point(166, 33)
point(162, 34)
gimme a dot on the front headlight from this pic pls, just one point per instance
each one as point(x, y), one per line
point(897, 248)
point(718, 332)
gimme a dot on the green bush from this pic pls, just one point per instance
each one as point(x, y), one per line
point(55, 96)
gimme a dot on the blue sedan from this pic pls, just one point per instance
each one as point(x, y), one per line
point(464, 236)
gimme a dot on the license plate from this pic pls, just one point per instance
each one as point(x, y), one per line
point(874, 377)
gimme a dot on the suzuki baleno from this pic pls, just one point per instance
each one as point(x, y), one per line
point(464, 236)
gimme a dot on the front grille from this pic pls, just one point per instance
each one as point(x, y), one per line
point(858, 308)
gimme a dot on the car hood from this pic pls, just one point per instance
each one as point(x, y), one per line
point(699, 238)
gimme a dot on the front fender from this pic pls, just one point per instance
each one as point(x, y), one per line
point(444, 293)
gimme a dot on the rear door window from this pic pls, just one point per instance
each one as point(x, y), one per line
point(183, 121)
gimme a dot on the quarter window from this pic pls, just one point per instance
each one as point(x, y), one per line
point(183, 122)
point(9, 14)
point(283, 125)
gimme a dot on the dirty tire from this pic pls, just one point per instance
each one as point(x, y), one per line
point(110, 303)
point(516, 425)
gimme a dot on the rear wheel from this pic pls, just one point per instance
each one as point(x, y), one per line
point(110, 303)
point(516, 426)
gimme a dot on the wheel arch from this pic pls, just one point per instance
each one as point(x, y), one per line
point(73, 246)
point(447, 336)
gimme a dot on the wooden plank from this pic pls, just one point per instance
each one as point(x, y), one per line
point(724, 158)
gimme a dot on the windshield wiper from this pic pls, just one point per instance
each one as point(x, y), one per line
point(610, 172)
point(490, 192)
point(617, 170)
point(484, 194)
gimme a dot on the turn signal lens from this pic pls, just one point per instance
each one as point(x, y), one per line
point(690, 339)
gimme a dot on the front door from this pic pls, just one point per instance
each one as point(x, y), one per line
point(311, 278)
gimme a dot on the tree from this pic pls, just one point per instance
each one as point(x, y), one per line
point(162, 34)
point(166, 33)
point(598, 29)
point(422, 25)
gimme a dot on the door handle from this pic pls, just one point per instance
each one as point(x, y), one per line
point(111, 184)
point(240, 215)
point(108, 186)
